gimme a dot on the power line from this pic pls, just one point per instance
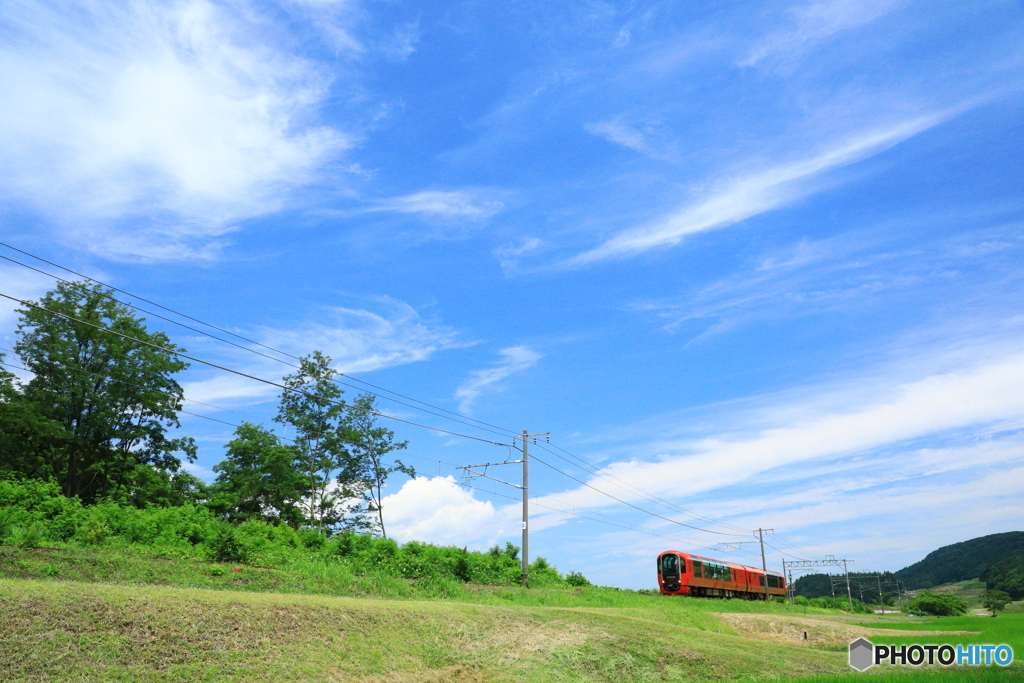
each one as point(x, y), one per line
point(795, 557)
point(809, 555)
point(246, 375)
point(599, 521)
point(97, 374)
point(462, 417)
point(625, 486)
point(648, 512)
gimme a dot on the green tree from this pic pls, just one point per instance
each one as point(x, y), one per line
point(312, 405)
point(937, 604)
point(258, 479)
point(110, 401)
point(368, 468)
point(995, 601)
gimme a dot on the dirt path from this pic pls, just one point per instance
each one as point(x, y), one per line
point(808, 631)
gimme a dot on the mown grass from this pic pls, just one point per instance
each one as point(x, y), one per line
point(78, 614)
point(67, 631)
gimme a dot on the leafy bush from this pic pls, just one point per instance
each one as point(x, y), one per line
point(576, 580)
point(33, 513)
point(225, 547)
point(938, 605)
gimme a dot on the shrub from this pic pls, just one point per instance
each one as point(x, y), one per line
point(937, 605)
point(225, 547)
point(576, 579)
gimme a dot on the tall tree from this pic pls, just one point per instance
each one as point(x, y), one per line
point(113, 399)
point(258, 479)
point(371, 465)
point(312, 405)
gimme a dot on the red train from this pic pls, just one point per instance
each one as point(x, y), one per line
point(685, 574)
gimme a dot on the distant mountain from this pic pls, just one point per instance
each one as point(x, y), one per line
point(961, 561)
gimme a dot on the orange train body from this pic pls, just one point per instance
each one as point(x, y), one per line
point(681, 573)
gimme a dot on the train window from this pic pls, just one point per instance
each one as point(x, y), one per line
point(773, 581)
point(760, 579)
point(698, 568)
point(669, 564)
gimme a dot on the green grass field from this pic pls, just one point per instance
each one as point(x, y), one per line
point(103, 615)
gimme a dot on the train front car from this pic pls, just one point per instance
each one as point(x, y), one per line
point(673, 578)
point(684, 574)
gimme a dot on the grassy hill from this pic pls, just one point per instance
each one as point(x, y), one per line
point(105, 615)
point(961, 561)
point(54, 630)
point(65, 631)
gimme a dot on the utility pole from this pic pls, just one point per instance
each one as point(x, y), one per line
point(525, 488)
point(764, 563)
point(879, 577)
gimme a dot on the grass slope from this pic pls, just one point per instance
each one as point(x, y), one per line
point(67, 631)
point(80, 614)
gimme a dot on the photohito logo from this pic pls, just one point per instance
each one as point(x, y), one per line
point(864, 654)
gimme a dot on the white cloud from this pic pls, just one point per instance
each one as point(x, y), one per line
point(508, 256)
point(969, 398)
point(357, 340)
point(813, 22)
point(361, 340)
point(182, 114)
point(847, 272)
point(463, 204)
point(651, 141)
point(227, 388)
point(437, 510)
point(737, 199)
point(513, 359)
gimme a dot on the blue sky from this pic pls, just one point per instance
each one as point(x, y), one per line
point(763, 262)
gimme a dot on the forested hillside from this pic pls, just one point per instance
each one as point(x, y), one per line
point(1006, 575)
point(961, 561)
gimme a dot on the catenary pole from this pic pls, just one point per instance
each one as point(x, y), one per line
point(764, 563)
point(526, 510)
point(849, 594)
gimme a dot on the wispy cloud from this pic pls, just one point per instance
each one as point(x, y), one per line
point(651, 141)
point(181, 116)
point(357, 340)
point(513, 359)
point(849, 272)
point(462, 204)
point(972, 399)
point(811, 23)
point(508, 256)
point(738, 199)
